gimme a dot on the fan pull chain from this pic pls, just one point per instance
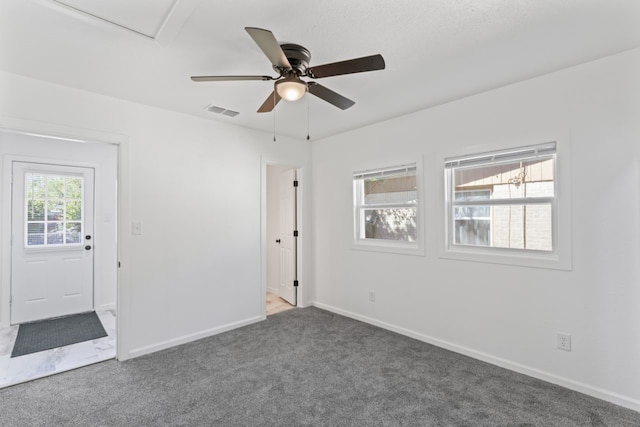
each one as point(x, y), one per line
point(308, 114)
point(274, 116)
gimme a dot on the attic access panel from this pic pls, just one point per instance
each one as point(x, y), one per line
point(145, 17)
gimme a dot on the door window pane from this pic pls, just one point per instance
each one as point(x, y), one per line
point(36, 228)
point(74, 210)
point(73, 232)
point(55, 187)
point(35, 187)
point(74, 188)
point(54, 227)
point(55, 239)
point(35, 239)
point(53, 209)
point(35, 233)
point(35, 210)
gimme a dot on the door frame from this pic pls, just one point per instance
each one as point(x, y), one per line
point(302, 292)
point(66, 133)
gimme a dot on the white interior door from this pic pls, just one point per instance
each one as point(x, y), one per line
point(287, 238)
point(51, 242)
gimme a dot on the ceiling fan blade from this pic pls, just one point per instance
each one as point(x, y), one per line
point(228, 78)
point(357, 65)
point(330, 96)
point(270, 103)
point(270, 46)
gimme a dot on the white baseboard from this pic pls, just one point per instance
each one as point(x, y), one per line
point(273, 290)
point(140, 351)
point(105, 307)
point(587, 389)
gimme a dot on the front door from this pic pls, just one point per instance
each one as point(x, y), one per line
point(287, 238)
point(51, 242)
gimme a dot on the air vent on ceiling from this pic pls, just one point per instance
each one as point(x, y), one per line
point(220, 110)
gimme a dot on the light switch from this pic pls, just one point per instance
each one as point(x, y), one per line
point(136, 228)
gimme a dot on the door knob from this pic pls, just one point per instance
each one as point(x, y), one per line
point(278, 241)
point(88, 247)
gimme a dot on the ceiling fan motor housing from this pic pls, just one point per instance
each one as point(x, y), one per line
point(298, 56)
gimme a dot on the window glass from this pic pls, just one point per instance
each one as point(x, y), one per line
point(390, 224)
point(53, 209)
point(504, 199)
point(386, 205)
point(472, 222)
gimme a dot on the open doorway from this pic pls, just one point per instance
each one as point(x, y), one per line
point(282, 238)
point(59, 266)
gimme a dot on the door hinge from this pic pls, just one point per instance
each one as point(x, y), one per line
point(295, 233)
point(118, 264)
point(295, 283)
point(295, 183)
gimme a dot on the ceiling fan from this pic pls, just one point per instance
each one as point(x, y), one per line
point(291, 62)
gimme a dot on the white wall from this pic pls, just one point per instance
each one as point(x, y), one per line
point(508, 315)
point(103, 158)
point(195, 185)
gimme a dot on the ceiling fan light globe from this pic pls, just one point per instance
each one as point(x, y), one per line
point(291, 90)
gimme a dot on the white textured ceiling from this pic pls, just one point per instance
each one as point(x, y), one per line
point(435, 51)
point(143, 16)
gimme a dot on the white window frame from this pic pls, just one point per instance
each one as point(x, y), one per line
point(385, 245)
point(560, 255)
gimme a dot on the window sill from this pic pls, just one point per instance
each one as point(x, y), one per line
point(516, 257)
point(388, 247)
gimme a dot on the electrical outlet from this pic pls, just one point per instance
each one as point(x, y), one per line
point(372, 296)
point(136, 228)
point(564, 341)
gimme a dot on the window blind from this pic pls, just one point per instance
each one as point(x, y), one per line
point(504, 156)
point(403, 170)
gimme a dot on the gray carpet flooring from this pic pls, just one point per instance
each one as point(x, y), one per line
point(303, 367)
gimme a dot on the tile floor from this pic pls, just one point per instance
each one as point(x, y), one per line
point(275, 304)
point(37, 365)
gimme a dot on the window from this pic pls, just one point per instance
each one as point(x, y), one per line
point(54, 210)
point(386, 207)
point(473, 223)
point(504, 199)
